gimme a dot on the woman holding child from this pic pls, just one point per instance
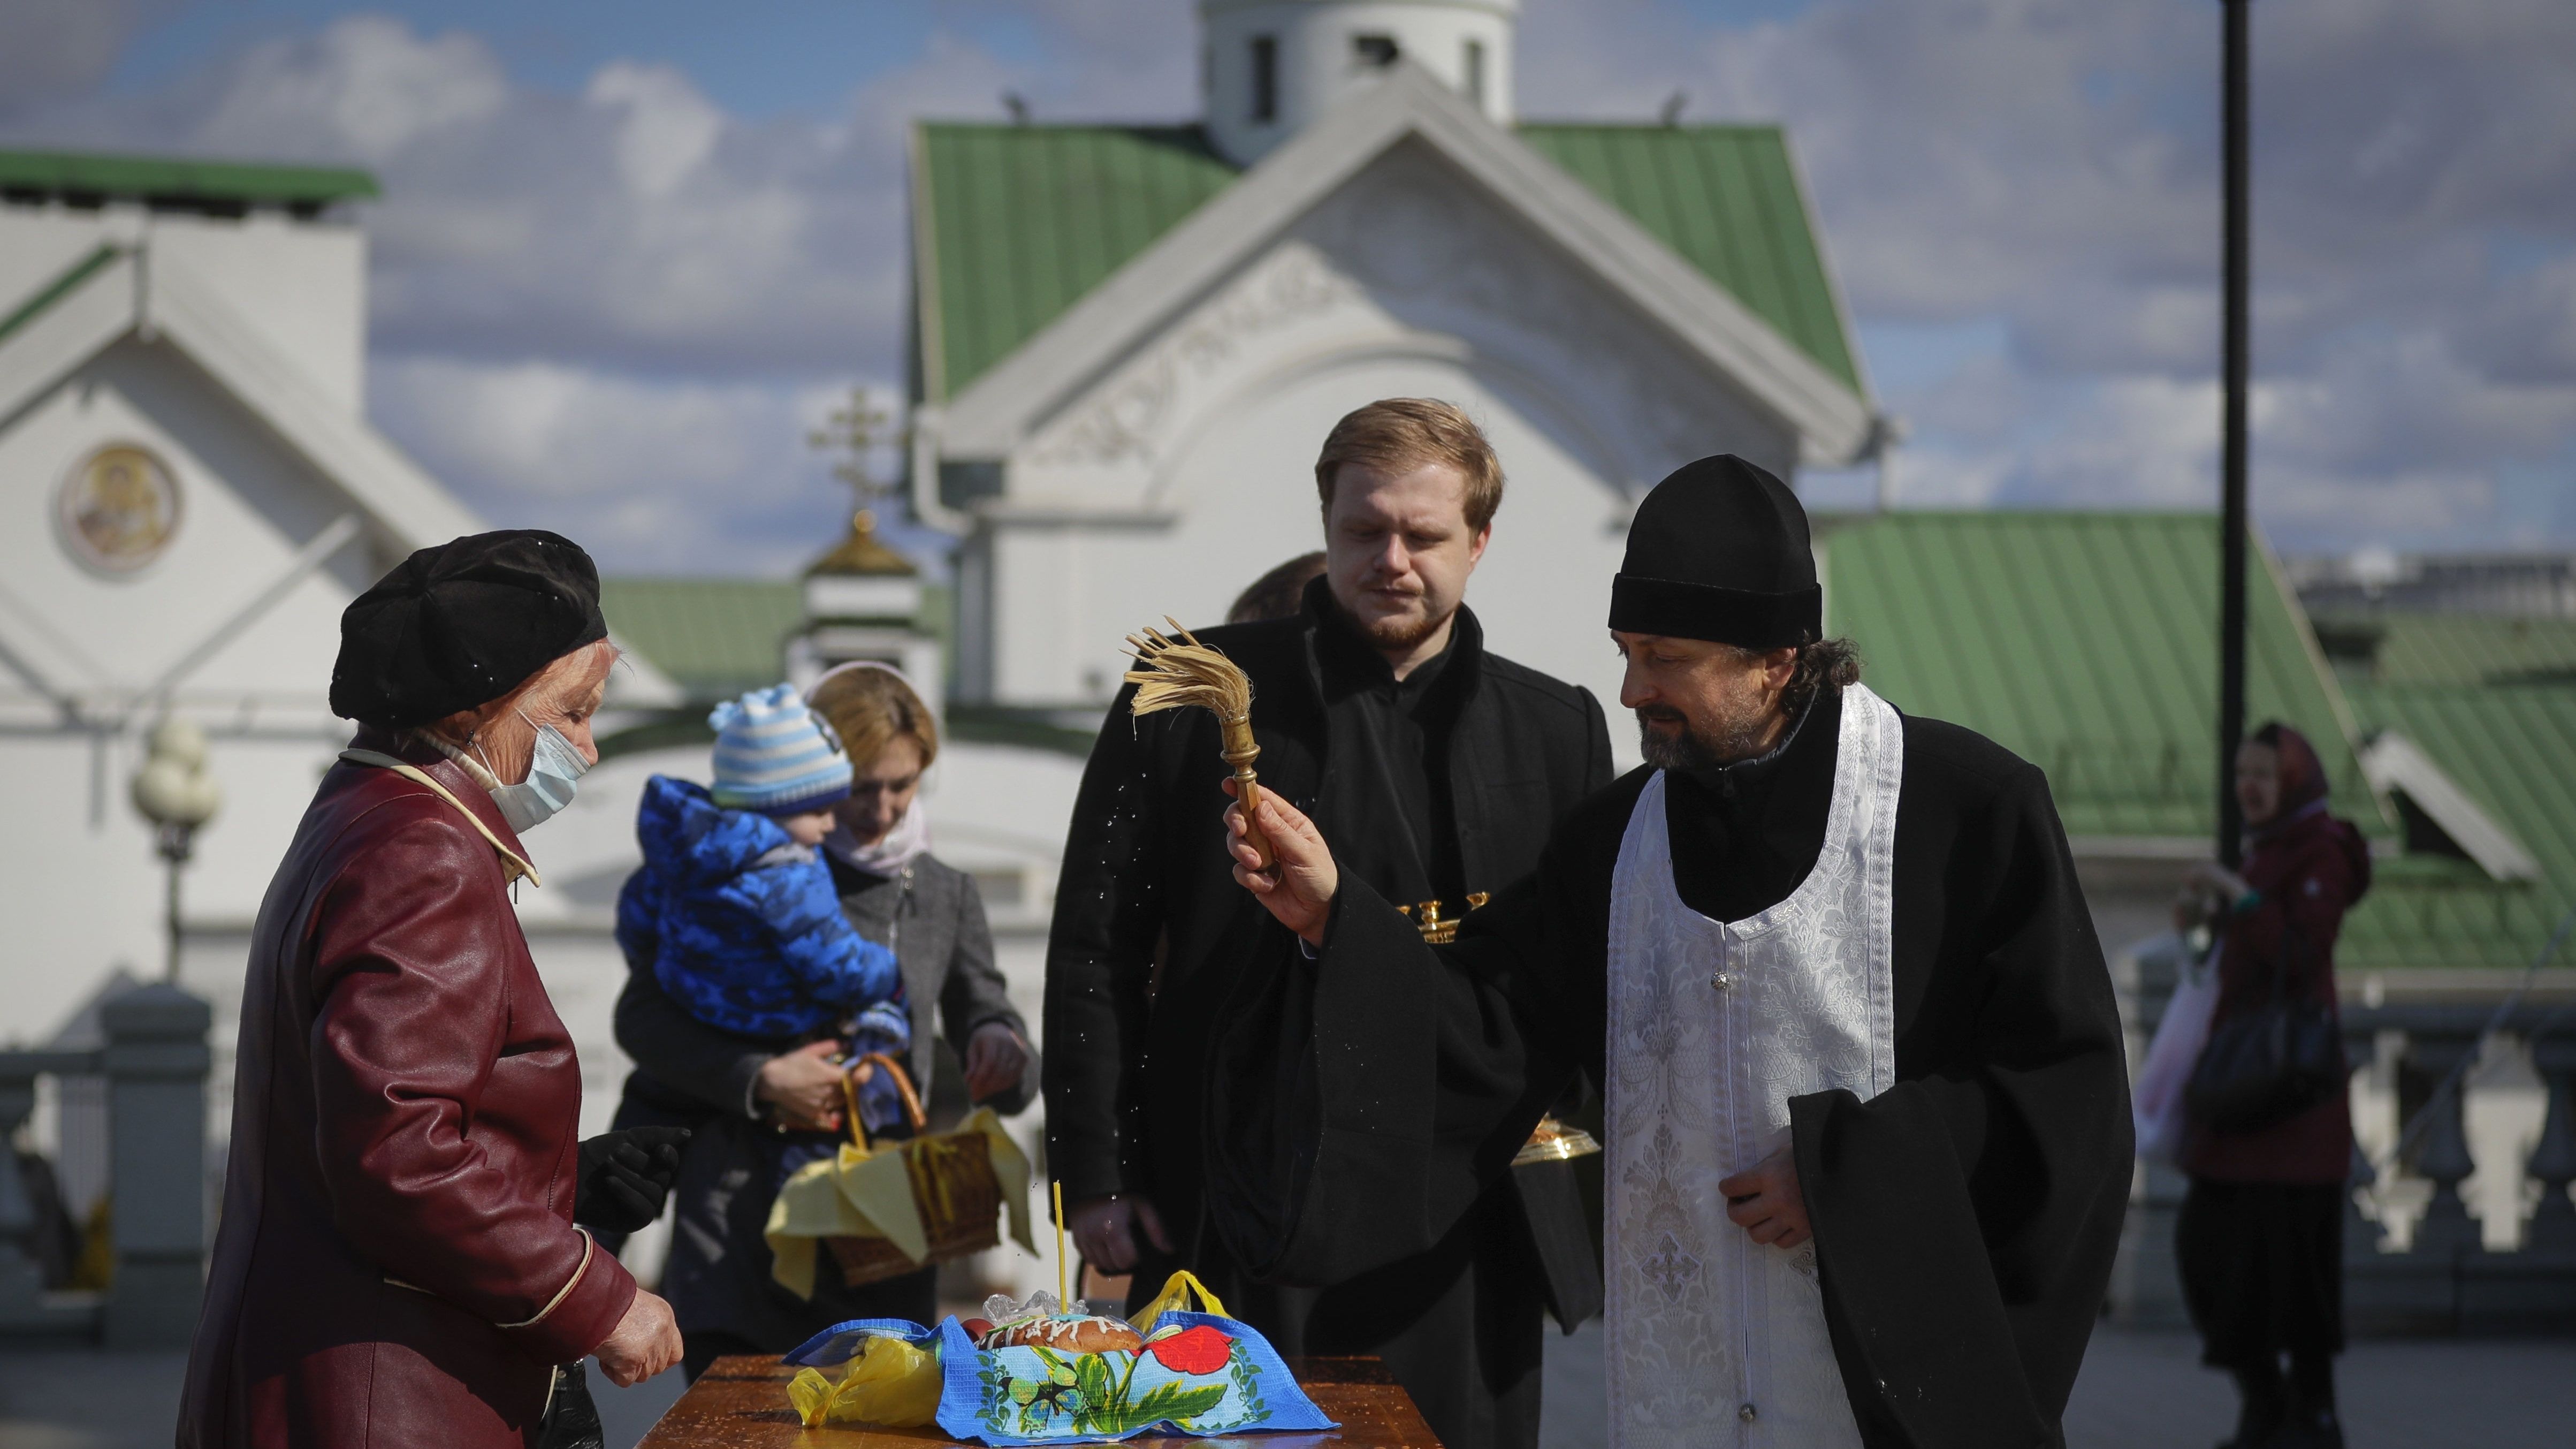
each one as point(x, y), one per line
point(740, 1038)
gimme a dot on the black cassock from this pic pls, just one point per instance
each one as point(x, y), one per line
point(1444, 784)
point(1965, 1219)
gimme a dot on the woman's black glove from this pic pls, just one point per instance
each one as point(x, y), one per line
point(624, 1176)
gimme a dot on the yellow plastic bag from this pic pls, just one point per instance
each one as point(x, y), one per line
point(890, 1384)
point(1176, 1294)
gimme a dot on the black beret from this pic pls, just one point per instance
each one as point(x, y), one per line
point(463, 623)
point(1719, 551)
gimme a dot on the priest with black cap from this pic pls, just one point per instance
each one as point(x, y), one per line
point(405, 1256)
point(1868, 1139)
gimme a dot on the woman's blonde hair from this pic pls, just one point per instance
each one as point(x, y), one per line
point(872, 707)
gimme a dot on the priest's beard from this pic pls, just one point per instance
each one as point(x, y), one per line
point(1671, 740)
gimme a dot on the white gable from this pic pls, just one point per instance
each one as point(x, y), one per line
point(2394, 764)
point(1412, 111)
point(301, 284)
point(281, 504)
point(1156, 442)
point(146, 345)
point(1409, 257)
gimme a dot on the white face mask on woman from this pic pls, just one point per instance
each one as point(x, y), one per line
point(553, 767)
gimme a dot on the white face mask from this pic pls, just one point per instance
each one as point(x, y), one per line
point(552, 769)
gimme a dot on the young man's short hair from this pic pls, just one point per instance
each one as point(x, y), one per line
point(1399, 434)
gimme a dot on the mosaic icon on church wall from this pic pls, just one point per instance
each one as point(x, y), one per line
point(118, 508)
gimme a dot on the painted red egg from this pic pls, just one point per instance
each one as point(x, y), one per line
point(976, 1328)
point(1198, 1349)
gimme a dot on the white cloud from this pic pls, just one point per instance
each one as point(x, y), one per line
point(654, 475)
point(668, 129)
point(635, 225)
point(631, 260)
point(618, 312)
point(366, 89)
point(59, 49)
point(2054, 163)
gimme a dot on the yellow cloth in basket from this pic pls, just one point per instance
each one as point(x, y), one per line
point(867, 1193)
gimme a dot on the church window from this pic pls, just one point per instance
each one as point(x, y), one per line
point(1375, 50)
point(1475, 72)
point(1265, 78)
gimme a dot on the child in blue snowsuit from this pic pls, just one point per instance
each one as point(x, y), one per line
point(735, 910)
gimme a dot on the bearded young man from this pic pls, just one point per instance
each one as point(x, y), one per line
point(1867, 1105)
point(1379, 710)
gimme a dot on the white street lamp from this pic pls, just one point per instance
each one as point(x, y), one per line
point(174, 792)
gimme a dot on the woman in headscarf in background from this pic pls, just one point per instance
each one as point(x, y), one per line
point(2260, 1237)
point(899, 895)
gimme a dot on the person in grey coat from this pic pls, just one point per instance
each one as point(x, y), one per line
point(740, 1094)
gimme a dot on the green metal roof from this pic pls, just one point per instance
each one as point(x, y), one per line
point(1014, 224)
point(2452, 649)
point(2086, 643)
point(2512, 749)
point(1726, 198)
point(714, 637)
point(179, 182)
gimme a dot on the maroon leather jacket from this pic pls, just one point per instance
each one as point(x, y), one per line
point(397, 1263)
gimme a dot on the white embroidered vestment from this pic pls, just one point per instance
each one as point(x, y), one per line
point(1714, 1026)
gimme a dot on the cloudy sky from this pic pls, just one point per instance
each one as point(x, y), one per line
point(631, 251)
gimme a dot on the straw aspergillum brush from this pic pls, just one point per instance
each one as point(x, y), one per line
point(1182, 673)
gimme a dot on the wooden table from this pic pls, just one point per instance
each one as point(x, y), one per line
point(741, 1403)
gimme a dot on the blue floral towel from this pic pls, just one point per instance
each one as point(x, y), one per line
point(1199, 1374)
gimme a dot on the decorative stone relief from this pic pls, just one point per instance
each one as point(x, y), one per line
point(1411, 247)
point(1131, 418)
point(1442, 256)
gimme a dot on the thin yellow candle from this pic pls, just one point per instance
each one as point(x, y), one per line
point(1063, 1297)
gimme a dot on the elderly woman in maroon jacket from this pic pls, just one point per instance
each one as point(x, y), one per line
point(403, 1258)
point(2260, 1236)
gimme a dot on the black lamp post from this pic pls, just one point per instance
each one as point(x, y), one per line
point(2231, 466)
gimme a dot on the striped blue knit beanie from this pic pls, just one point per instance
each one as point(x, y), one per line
point(775, 755)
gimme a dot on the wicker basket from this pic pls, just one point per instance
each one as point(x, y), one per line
point(953, 1186)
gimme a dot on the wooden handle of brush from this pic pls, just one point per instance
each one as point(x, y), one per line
point(1240, 752)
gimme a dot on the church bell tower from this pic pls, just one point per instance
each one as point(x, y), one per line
point(1268, 67)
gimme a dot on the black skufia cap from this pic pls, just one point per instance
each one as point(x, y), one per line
point(463, 623)
point(1719, 551)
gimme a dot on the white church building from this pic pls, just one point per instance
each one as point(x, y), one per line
point(1129, 341)
point(190, 494)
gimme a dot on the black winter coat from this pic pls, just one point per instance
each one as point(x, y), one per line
point(1965, 1219)
point(687, 1071)
point(1150, 926)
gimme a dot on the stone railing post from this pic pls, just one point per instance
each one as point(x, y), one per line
point(21, 1278)
point(2442, 1153)
point(155, 1061)
point(24, 1313)
point(2553, 1160)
